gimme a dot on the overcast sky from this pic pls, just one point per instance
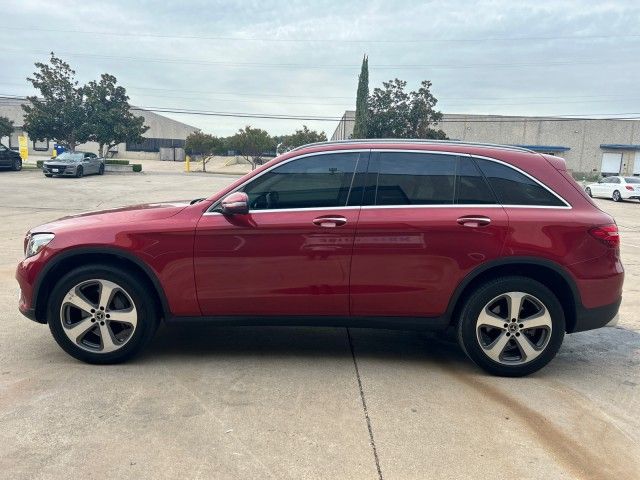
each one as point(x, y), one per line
point(303, 58)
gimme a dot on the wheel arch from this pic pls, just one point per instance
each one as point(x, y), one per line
point(67, 261)
point(546, 272)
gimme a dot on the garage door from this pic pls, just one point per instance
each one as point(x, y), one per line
point(636, 164)
point(611, 163)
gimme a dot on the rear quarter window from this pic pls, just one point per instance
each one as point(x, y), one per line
point(514, 188)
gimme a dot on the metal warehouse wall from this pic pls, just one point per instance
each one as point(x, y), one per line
point(583, 137)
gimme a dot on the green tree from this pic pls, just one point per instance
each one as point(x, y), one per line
point(361, 124)
point(251, 143)
point(58, 112)
point(109, 118)
point(6, 127)
point(204, 146)
point(393, 113)
point(301, 137)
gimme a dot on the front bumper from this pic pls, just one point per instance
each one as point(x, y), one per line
point(26, 274)
point(59, 170)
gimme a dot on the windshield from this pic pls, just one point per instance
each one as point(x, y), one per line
point(632, 179)
point(69, 157)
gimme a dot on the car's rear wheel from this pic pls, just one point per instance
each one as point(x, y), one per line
point(101, 314)
point(588, 190)
point(17, 165)
point(79, 172)
point(616, 196)
point(511, 326)
point(101, 169)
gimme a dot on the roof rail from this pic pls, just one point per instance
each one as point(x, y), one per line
point(383, 141)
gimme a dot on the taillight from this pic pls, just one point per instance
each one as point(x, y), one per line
point(629, 187)
point(607, 234)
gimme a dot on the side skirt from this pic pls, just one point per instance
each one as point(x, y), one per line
point(390, 323)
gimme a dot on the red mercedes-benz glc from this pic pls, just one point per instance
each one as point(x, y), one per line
point(497, 242)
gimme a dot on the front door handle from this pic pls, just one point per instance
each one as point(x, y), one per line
point(329, 222)
point(474, 221)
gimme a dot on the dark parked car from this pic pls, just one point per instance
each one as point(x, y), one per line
point(74, 164)
point(9, 158)
point(498, 243)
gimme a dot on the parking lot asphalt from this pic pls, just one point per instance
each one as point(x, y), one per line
point(298, 403)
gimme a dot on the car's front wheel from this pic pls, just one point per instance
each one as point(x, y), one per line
point(588, 190)
point(511, 326)
point(79, 172)
point(17, 165)
point(101, 314)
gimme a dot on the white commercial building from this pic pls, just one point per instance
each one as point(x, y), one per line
point(164, 140)
point(590, 146)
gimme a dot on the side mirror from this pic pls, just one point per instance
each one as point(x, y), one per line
point(236, 203)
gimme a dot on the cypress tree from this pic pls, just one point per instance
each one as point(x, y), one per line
point(361, 125)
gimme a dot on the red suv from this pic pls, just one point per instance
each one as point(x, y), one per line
point(496, 242)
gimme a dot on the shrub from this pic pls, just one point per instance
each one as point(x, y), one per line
point(116, 162)
point(39, 163)
point(137, 167)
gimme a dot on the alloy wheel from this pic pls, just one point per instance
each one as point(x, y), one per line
point(514, 328)
point(616, 196)
point(98, 316)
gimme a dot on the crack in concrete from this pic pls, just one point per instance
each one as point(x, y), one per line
point(364, 407)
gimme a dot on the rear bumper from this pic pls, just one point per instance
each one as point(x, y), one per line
point(591, 318)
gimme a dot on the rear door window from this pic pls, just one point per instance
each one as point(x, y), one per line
point(407, 178)
point(514, 188)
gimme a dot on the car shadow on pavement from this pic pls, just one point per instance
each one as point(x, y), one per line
point(186, 341)
point(604, 350)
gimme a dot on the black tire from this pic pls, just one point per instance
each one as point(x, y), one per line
point(588, 190)
point(469, 332)
point(135, 287)
point(17, 165)
point(616, 196)
point(48, 175)
point(79, 172)
point(101, 169)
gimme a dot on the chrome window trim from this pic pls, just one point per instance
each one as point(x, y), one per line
point(308, 209)
point(567, 205)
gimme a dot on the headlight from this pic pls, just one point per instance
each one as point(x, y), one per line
point(36, 242)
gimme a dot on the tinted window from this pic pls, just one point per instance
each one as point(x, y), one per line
point(415, 179)
point(614, 180)
point(513, 188)
point(317, 181)
point(632, 179)
point(471, 186)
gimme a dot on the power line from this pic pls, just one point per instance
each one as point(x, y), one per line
point(178, 61)
point(28, 29)
point(495, 119)
point(599, 98)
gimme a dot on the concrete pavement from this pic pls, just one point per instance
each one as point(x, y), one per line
point(205, 402)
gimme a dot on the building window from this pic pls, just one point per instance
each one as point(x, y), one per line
point(41, 145)
point(154, 144)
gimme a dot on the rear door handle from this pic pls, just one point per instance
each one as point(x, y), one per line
point(329, 222)
point(474, 221)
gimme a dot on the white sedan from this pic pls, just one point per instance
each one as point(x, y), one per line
point(616, 188)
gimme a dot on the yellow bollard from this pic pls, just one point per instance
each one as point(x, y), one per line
point(187, 164)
